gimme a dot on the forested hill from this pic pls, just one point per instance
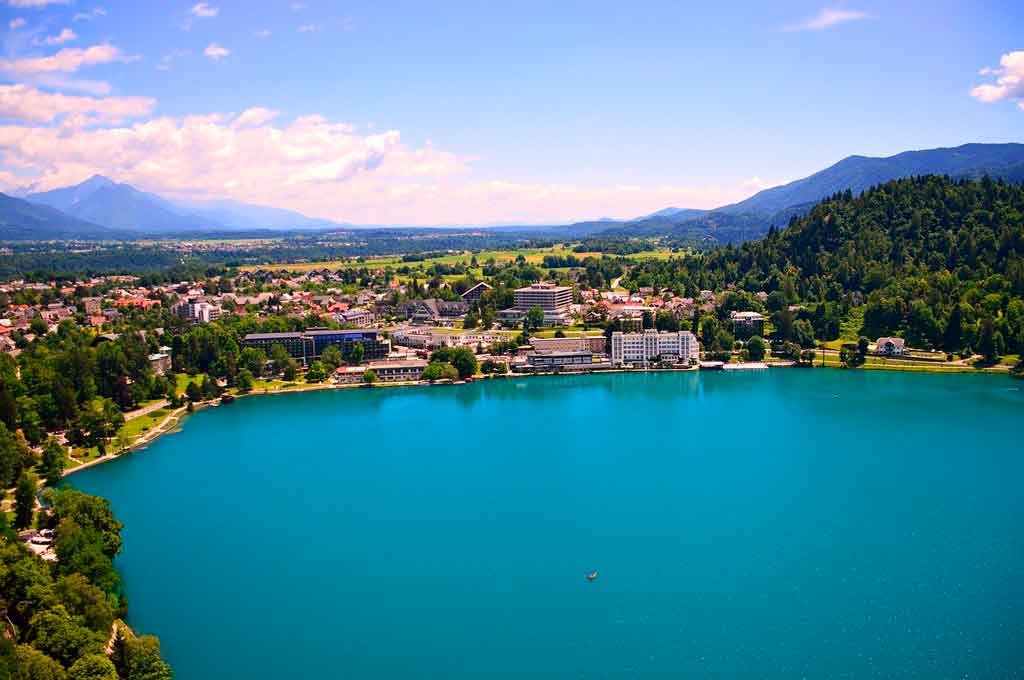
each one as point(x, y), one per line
point(751, 218)
point(857, 173)
point(938, 261)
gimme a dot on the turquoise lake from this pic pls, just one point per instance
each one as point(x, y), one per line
point(772, 524)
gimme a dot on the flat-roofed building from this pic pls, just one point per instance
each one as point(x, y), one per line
point(642, 348)
point(558, 359)
point(422, 338)
point(398, 371)
point(583, 343)
point(198, 310)
point(554, 301)
point(310, 344)
point(348, 375)
point(356, 317)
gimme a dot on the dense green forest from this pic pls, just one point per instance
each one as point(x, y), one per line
point(58, 617)
point(938, 262)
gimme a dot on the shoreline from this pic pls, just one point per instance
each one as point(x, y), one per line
point(177, 417)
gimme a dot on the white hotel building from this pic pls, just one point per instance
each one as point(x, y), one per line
point(641, 348)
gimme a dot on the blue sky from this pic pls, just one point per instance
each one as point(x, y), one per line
point(491, 112)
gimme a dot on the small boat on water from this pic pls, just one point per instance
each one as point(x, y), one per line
point(592, 576)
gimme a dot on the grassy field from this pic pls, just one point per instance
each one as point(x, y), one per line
point(849, 329)
point(532, 256)
point(181, 381)
point(136, 427)
point(878, 363)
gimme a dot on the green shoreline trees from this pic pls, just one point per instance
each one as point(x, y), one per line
point(59, 615)
point(936, 261)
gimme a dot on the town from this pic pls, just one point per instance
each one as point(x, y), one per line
point(363, 325)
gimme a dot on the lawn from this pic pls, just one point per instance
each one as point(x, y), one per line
point(878, 363)
point(181, 381)
point(135, 427)
point(276, 385)
point(849, 329)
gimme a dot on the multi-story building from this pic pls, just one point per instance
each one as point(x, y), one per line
point(642, 348)
point(309, 345)
point(473, 294)
point(198, 310)
point(746, 324)
point(555, 301)
point(584, 343)
point(356, 317)
point(422, 338)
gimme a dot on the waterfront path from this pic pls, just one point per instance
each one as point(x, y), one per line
point(139, 412)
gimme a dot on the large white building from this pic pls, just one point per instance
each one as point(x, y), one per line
point(555, 301)
point(199, 311)
point(642, 348)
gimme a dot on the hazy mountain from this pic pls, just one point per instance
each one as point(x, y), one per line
point(675, 213)
point(237, 215)
point(21, 220)
point(752, 217)
point(121, 206)
point(858, 173)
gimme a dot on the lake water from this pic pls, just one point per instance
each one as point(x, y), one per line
point(772, 524)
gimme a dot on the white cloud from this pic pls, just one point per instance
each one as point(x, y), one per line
point(16, 23)
point(254, 117)
point(1009, 83)
point(69, 59)
point(828, 18)
point(168, 59)
point(216, 52)
point(204, 11)
point(63, 82)
point(308, 28)
point(89, 16)
point(36, 3)
point(298, 6)
point(25, 103)
point(263, 33)
point(320, 167)
point(66, 35)
point(248, 157)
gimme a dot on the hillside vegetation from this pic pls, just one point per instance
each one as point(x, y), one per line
point(936, 261)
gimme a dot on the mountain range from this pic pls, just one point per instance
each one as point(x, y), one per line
point(24, 221)
point(753, 217)
point(100, 208)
